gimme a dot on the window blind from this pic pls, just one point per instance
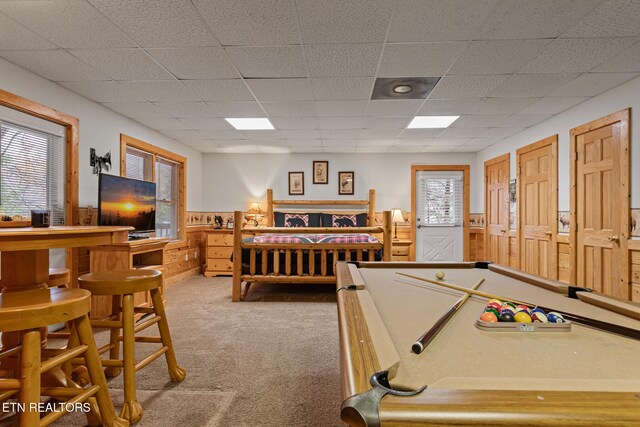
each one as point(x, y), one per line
point(32, 171)
point(441, 199)
point(138, 164)
point(167, 197)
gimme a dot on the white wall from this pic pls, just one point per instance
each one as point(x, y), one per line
point(621, 97)
point(100, 128)
point(233, 181)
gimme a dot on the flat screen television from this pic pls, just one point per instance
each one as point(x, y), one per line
point(127, 202)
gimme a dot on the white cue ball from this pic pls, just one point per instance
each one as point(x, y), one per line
point(439, 274)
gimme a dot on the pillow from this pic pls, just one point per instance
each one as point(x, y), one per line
point(283, 219)
point(336, 220)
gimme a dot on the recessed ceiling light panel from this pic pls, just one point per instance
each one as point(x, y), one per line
point(250, 123)
point(431, 122)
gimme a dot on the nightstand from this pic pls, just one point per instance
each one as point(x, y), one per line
point(400, 249)
point(219, 250)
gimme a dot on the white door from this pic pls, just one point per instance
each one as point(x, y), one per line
point(439, 216)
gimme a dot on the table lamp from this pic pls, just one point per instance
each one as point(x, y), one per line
point(255, 209)
point(396, 217)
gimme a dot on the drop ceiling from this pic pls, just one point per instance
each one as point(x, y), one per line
point(181, 66)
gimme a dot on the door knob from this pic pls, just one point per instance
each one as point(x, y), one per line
point(503, 231)
point(548, 233)
point(614, 238)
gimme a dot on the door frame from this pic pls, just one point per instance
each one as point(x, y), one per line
point(504, 157)
point(466, 169)
point(553, 142)
point(624, 199)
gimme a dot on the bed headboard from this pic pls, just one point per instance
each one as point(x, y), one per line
point(371, 203)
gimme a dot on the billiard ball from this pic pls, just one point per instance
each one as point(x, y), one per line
point(492, 310)
point(488, 316)
point(494, 305)
point(439, 274)
point(523, 307)
point(506, 317)
point(539, 317)
point(555, 317)
point(507, 310)
point(522, 317)
point(496, 301)
point(510, 304)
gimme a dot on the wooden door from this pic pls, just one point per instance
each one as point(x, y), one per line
point(537, 167)
point(496, 209)
point(600, 205)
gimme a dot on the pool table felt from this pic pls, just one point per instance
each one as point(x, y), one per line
point(463, 356)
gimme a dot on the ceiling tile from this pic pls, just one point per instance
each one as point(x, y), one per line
point(182, 135)
point(262, 135)
point(419, 59)
point(158, 23)
point(475, 106)
point(137, 109)
point(497, 56)
point(313, 149)
point(236, 109)
point(450, 141)
point(14, 36)
point(252, 22)
point(372, 150)
point(337, 21)
point(503, 132)
point(290, 108)
point(420, 133)
point(484, 142)
point(103, 91)
point(516, 19)
point(479, 120)
point(219, 90)
point(55, 65)
point(626, 61)
point(196, 62)
point(263, 62)
point(465, 132)
point(576, 55)
point(531, 85)
point(341, 108)
point(470, 148)
point(522, 120)
point(340, 122)
point(339, 149)
point(593, 84)
point(205, 123)
point(295, 123)
point(162, 91)
point(123, 64)
point(552, 105)
point(306, 134)
point(346, 88)
point(343, 60)
point(67, 23)
point(433, 20)
point(613, 18)
point(400, 107)
point(455, 87)
point(280, 89)
point(340, 133)
point(226, 135)
point(298, 142)
point(339, 143)
point(406, 149)
point(385, 122)
point(163, 124)
point(440, 149)
point(186, 109)
point(380, 133)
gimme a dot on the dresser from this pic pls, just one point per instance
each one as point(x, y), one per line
point(219, 244)
point(400, 249)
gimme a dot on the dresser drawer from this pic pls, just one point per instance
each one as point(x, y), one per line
point(220, 239)
point(217, 264)
point(223, 252)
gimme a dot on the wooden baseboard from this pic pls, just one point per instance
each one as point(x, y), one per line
point(170, 281)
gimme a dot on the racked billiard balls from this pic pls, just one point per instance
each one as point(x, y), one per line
point(439, 274)
point(522, 317)
point(492, 310)
point(506, 317)
point(555, 317)
point(488, 316)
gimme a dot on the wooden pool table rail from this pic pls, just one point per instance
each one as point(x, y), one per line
point(359, 360)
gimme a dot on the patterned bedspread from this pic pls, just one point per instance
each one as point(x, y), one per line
point(346, 238)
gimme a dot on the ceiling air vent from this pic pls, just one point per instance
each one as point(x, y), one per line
point(403, 87)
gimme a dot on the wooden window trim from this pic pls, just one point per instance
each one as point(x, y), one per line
point(71, 124)
point(128, 141)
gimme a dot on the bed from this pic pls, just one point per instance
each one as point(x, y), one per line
point(295, 249)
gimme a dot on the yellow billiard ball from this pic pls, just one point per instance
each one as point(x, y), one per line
point(439, 274)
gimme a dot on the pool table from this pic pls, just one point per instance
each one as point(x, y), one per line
point(580, 377)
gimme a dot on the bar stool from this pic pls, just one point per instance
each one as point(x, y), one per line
point(59, 278)
point(121, 285)
point(25, 313)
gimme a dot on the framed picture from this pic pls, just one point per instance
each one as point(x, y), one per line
point(229, 224)
point(320, 172)
point(296, 183)
point(345, 183)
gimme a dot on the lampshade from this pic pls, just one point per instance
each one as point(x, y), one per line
point(396, 216)
point(255, 208)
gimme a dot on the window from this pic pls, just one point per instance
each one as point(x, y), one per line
point(32, 171)
point(442, 199)
point(149, 163)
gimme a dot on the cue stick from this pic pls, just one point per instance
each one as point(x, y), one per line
point(576, 318)
point(422, 342)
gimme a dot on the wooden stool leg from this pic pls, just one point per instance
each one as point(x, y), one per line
point(30, 377)
point(114, 333)
point(176, 373)
point(92, 359)
point(131, 410)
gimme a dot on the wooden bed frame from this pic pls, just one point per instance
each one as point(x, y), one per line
point(329, 252)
